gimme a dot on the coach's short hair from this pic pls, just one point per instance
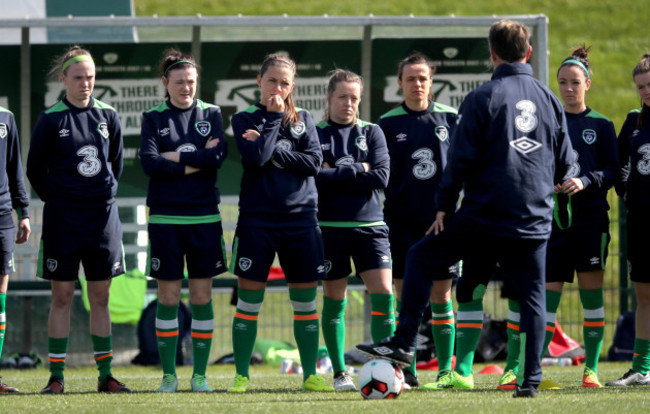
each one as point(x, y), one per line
point(509, 40)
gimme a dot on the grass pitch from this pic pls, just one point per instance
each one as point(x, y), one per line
point(272, 392)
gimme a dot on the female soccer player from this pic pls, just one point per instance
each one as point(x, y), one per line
point(74, 163)
point(418, 134)
point(277, 214)
point(580, 233)
point(355, 168)
point(634, 150)
point(182, 148)
point(14, 196)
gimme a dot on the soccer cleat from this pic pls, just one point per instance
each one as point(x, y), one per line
point(200, 383)
point(631, 377)
point(54, 386)
point(169, 383)
point(316, 383)
point(590, 379)
point(524, 392)
point(451, 379)
point(410, 379)
point(343, 382)
point(6, 389)
point(508, 381)
point(110, 384)
point(387, 349)
point(242, 384)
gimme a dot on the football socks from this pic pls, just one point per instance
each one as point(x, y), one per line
point(641, 359)
point(512, 362)
point(202, 329)
point(382, 319)
point(244, 328)
point(469, 324)
point(56, 349)
point(552, 303)
point(593, 329)
point(305, 328)
point(334, 331)
point(444, 333)
point(167, 336)
point(3, 320)
point(103, 354)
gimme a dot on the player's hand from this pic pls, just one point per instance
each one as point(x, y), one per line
point(366, 166)
point(191, 170)
point(275, 104)
point(24, 230)
point(557, 188)
point(212, 142)
point(573, 186)
point(438, 225)
point(325, 166)
point(172, 156)
point(250, 135)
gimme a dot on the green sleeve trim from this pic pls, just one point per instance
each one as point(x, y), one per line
point(635, 111)
point(101, 105)
point(394, 112)
point(251, 109)
point(58, 107)
point(205, 105)
point(556, 213)
point(322, 125)
point(363, 123)
point(351, 224)
point(438, 107)
point(598, 115)
point(159, 108)
point(165, 219)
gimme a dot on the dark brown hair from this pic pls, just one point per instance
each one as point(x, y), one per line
point(174, 59)
point(415, 58)
point(290, 113)
point(509, 40)
point(581, 54)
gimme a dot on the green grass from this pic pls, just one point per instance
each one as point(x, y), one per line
point(273, 392)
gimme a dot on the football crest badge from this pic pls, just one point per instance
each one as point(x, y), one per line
point(361, 143)
point(245, 263)
point(203, 128)
point(3, 130)
point(298, 129)
point(102, 128)
point(51, 264)
point(442, 133)
point(589, 136)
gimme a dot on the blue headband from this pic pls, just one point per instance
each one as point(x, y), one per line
point(577, 63)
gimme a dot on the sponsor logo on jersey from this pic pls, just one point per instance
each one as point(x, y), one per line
point(102, 128)
point(3, 130)
point(283, 144)
point(203, 128)
point(245, 263)
point(51, 264)
point(401, 137)
point(328, 266)
point(326, 147)
point(164, 132)
point(442, 133)
point(298, 129)
point(186, 148)
point(347, 160)
point(64, 133)
point(361, 143)
point(155, 263)
point(589, 136)
point(260, 127)
point(385, 259)
point(525, 145)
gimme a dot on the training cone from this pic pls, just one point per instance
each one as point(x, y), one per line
point(433, 364)
point(492, 369)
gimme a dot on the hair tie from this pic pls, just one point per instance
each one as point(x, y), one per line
point(177, 63)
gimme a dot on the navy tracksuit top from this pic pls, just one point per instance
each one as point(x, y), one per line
point(167, 128)
point(12, 184)
point(634, 155)
point(278, 188)
point(510, 148)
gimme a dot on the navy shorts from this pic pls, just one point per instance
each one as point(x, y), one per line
point(402, 237)
point(90, 236)
point(300, 250)
point(367, 246)
point(638, 246)
point(7, 239)
point(173, 246)
point(580, 248)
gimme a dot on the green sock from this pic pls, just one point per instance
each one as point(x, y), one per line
point(56, 349)
point(593, 329)
point(201, 331)
point(552, 303)
point(103, 348)
point(333, 322)
point(244, 328)
point(444, 332)
point(522, 359)
point(3, 320)
point(305, 328)
point(641, 359)
point(469, 324)
point(167, 336)
point(382, 318)
point(512, 362)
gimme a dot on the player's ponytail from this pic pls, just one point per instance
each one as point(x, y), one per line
point(174, 59)
point(290, 113)
point(641, 68)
